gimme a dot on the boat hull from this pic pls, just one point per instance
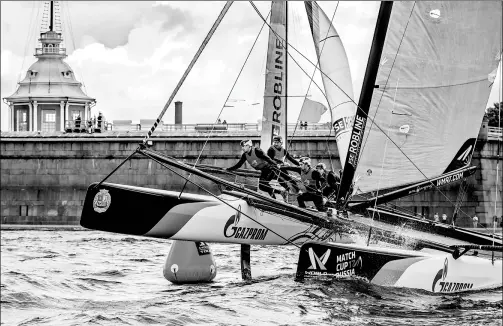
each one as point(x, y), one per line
point(165, 214)
point(430, 271)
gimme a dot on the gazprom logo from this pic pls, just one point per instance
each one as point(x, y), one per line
point(318, 262)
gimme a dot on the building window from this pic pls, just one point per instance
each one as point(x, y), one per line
point(48, 120)
point(66, 74)
point(22, 120)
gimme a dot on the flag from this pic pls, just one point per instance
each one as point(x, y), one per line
point(311, 111)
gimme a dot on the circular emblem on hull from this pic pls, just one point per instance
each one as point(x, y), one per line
point(102, 201)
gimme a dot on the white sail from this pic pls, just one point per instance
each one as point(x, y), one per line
point(312, 111)
point(336, 75)
point(274, 113)
point(433, 86)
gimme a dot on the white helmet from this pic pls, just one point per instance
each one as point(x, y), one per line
point(246, 142)
point(305, 160)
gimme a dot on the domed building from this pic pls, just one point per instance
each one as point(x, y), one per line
point(49, 98)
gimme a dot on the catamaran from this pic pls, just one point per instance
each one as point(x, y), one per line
point(409, 78)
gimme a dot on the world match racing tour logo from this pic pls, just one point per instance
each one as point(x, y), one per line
point(346, 264)
point(232, 230)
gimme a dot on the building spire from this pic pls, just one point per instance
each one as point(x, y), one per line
point(51, 17)
point(51, 40)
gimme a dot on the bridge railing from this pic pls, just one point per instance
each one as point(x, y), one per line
point(208, 127)
point(50, 50)
point(494, 133)
point(83, 126)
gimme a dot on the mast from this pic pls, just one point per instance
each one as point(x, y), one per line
point(274, 111)
point(364, 102)
point(285, 131)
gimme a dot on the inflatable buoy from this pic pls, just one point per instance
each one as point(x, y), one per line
point(189, 262)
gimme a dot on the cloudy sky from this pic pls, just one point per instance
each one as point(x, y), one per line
point(130, 55)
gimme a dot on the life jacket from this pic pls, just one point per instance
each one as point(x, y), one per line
point(279, 154)
point(323, 182)
point(333, 179)
point(255, 161)
point(308, 176)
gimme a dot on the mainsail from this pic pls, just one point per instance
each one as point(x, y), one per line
point(274, 114)
point(431, 90)
point(336, 74)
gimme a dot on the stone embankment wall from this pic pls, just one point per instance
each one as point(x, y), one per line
point(44, 177)
point(483, 192)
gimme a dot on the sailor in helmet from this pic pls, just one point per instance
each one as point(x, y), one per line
point(313, 182)
point(259, 161)
point(279, 155)
point(332, 182)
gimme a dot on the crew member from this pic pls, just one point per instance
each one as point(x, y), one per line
point(279, 155)
point(313, 182)
point(331, 186)
point(259, 161)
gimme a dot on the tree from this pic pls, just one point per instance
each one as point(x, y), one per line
point(495, 113)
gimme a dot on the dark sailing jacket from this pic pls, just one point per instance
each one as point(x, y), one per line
point(256, 158)
point(316, 179)
point(278, 155)
point(333, 179)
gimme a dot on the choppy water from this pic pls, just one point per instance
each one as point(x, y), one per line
point(88, 277)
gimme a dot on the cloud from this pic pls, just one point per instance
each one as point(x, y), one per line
point(108, 22)
point(131, 55)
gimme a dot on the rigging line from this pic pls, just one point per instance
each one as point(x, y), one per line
point(501, 131)
point(121, 164)
point(385, 149)
point(223, 106)
point(189, 68)
point(358, 108)
point(303, 56)
point(218, 198)
point(473, 81)
point(386, 84)
point(312, 77)
point(286, 173)
point(322, 92)
point(328, 149)
point(331, 109)
point(308, 217)
point(374, 123)
point(289, 45)
point(319, 88)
